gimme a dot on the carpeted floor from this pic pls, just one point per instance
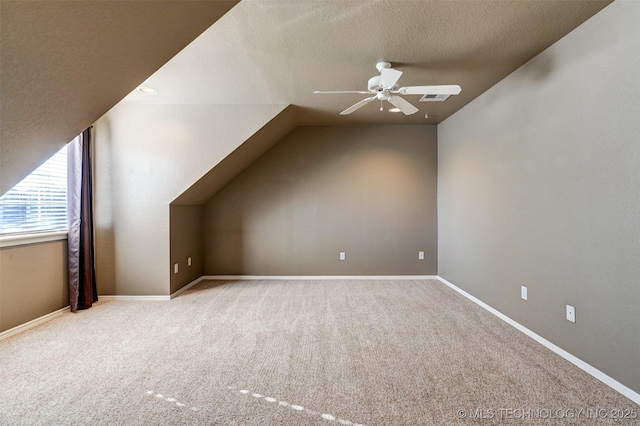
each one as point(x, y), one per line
point(405, 352)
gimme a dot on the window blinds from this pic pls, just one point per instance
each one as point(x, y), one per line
point(39, 202)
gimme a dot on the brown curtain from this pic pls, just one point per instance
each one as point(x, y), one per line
point(82, 278)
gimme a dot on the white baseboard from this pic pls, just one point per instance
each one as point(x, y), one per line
point(319, 277)
point(22, 327)
point(607, 380)
point(152, 298)
point(186, 287)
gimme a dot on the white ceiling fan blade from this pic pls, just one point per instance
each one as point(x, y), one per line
point(360, 92)
point(389, 77)
point(452, 89)
point(405, 107)
point(357, 106)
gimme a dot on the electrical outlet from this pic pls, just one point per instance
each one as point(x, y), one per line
point(175, 268)
point(421, 255)
point(571, 313)
point(343, 255)
point(188, 261)
point(523, 292)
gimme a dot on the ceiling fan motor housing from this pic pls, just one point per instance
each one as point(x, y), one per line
point(374, 84)
point(382, 93)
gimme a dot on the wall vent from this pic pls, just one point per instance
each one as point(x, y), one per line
point(433, 98)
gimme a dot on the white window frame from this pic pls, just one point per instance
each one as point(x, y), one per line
point(35, 238)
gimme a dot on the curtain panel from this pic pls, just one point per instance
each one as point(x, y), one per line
point(82, 282)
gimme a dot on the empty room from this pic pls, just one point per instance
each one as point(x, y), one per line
point(292, 212)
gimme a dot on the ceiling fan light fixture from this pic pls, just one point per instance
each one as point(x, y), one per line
point(395, 109)
point(147, 90)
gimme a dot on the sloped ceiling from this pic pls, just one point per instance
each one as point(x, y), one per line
point(280, 51)
point(63, 64)
point(241, 158)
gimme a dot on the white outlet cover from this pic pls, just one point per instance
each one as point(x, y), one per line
point(189, 261)
point(571, 313)
point(421, 255)
point(175, 268)
point(523, 292)
point(343, 255)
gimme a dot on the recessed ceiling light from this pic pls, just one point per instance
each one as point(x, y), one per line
point(147, 90)
point(395, 110)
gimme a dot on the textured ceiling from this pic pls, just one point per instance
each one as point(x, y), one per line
point(65, 63)
point(280, 51)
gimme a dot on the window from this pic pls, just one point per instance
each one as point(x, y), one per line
point(39, 202)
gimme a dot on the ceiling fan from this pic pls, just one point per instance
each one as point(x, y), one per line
point(384, 87)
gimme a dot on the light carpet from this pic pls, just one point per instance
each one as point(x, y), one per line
point(368, 352)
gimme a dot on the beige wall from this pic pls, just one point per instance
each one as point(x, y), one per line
point(33, 282)
point(186, 242)
point(369, 191)
point(539, 185)
point(147, 155)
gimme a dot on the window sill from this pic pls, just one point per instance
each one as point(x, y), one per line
point(21, 240)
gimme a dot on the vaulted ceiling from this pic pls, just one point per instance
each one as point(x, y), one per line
point(65, 63)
